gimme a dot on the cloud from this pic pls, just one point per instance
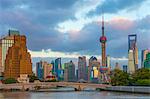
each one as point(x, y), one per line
point(114, 6)
point(67, 28)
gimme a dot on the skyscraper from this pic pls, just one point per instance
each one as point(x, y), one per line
point(0, 58)
point(147, 61)
point(131, 62)
point(47, 69)
point(132, 44)
point(93, 70)
point(117, 66)
point(58, 69)
point(5, 43)
point(39, 70)
point(108, 63)
point(69, 71)
point(18, 59)
point(143, 56)
point(125, 68)
point(82, 68)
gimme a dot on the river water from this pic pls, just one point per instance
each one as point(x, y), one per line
point(69, 93)
point(72, 95)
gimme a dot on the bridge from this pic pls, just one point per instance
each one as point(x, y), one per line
point(47, 85)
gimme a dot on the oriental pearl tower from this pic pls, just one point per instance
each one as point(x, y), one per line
point(103, 40)
point(103, 68)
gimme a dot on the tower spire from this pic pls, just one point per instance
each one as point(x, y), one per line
point(102, 23)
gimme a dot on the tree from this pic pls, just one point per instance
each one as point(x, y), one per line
point(119, 78)
point(32, 78)
point(141, 77)
point(10, 81)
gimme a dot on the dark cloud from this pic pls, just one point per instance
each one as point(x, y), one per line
point(37, 4)
point(113, 6)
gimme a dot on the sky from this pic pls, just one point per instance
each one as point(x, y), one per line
point(72, 28)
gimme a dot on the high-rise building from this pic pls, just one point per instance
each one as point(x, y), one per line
point(108, 63)
point(131, 62)
point(147, 61)
point(82, 68)
point(47, 69)
point(18, 59)
point(39, 70)
point(53, 69)
point(58, 69)
point(69, 71)
point(0, 58)
point(117, 66)
point(5, 43)
point(132, 44)
point(93, 70)
point(43, 69)
point(143, 56)
point(125, 68)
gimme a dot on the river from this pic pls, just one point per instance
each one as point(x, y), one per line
point(72, 95)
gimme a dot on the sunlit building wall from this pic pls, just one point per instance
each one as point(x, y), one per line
point(6, 42)
point(143, 56)
point(131, 65)
point(18, 59)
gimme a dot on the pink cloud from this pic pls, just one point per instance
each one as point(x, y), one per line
point(121, 23)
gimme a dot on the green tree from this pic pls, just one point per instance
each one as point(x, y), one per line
point(119, 78)
point(10, 81)
point(141, 77)
point(32, 78)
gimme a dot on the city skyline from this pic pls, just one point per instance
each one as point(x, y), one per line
point(75, 29)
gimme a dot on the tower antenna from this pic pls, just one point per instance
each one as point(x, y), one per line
point(102, 22)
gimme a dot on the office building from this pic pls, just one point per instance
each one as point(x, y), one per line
point(58, 69)
point(47, 69)
point(18, 59)
point(93, 70)
point(132, 45)
point(108, 63)
point(5, 43)
point(131, 62)
point(147, 61)
point(69, 72)
point(39, 70)
point(143, 56)
point(117, 66)
point(82, 68)
point(125, 68)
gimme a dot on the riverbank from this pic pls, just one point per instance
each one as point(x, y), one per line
point(131, 89)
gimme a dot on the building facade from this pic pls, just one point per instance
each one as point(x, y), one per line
point(93, 70)
point(58, 69)
point(47, 70)
point(132, 45)
point(5, 43)
point(143, 56)
point(147, 61)
point(39, 70)
point(69, 72)
point(125, 68)
point(18, 59)
point(131, 62)
point(117, 66)
point(82, 68)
